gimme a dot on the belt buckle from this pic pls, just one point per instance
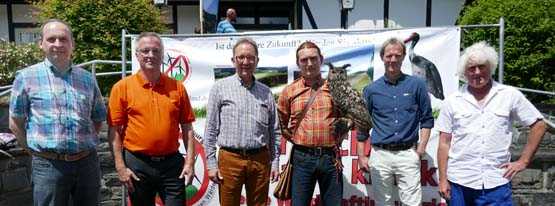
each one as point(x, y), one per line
point(319, 151)
point(66, 158)
point(156, 159)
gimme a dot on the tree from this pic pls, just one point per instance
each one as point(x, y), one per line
point(97, 25)
point(529, 40)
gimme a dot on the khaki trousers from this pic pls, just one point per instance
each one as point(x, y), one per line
point(237, 170)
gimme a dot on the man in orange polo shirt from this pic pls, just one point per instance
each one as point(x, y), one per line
point(146, 111)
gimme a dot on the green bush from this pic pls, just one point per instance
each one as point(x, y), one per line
point(14, 57)
point(97, 25)
point(529, 40)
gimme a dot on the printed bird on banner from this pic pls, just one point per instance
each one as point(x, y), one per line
point(425, 69)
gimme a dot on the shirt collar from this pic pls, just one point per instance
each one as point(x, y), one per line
point(139, 78)
point(55, 70)
point(465, 94)
point(401, 78)
point(242, 83)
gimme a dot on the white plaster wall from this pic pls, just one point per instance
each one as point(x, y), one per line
point(407, 13)
point(187, 19)
point(446, 12)
point(369, 13)
point(3, 22)
point(325, 12)
point(366, 14)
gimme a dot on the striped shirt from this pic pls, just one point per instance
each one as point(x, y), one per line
point(225, 27)
point(60, 108)
point(241, 118)
point(316, 127)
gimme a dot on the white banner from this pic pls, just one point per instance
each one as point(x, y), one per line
point(198, 62)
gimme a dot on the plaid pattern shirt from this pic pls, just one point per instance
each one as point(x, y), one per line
point(241, 118)
point(316, 127)
point(59, 108)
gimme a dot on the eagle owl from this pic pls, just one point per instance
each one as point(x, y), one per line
point(347, 101)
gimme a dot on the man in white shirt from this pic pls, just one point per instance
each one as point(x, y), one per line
point(475, 127)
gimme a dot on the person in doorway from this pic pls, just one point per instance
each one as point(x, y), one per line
point(225, 25)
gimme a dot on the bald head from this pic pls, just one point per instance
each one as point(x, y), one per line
point(230, 14)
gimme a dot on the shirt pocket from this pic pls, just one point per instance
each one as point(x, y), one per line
point(501, 120)
point(84, 103)
point(263, 114)
point(462, 122)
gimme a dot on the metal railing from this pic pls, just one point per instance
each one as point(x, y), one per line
point(4, 90)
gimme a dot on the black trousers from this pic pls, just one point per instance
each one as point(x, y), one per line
point(156, 176)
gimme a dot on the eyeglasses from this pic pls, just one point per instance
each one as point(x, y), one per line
point(248, 58)
point(146, 51)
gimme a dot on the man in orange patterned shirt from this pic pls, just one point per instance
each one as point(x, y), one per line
point(314, 156)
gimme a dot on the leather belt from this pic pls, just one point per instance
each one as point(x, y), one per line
point(63, 157)
point(317, 151)
point(152, 157)
point(395, 147)
point(244, 152)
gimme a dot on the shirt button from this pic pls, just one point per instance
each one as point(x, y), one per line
point(394, 97)
point(396, 133)
point(396, 121)
point(395, 109)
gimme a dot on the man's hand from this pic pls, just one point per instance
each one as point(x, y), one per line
point(214, 175)
point(513, 168)
point(363, 163)
point(125, 174)
point(274, 175)
point(188, 172)
point(444, 189)
point(421, 150)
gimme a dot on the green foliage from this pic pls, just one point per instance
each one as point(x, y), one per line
point(14, 57)
point(97, 25)
point(529, 40)
point(200, 112)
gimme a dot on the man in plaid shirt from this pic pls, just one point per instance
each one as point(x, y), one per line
point(314, 156)
point(56, 111)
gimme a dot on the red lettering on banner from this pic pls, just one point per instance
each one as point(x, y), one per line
point(354, 142)
point(427, 175)
point(357, 175)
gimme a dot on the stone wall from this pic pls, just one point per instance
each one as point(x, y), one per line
point(536, 184)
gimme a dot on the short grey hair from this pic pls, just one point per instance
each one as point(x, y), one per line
point(246, 40)
point(150, 34)
point(481, 53)
point(55, 21)
point(392, 41)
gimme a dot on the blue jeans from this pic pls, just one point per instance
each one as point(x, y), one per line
point(311, 168)
point(54, 181)
point(465, 196)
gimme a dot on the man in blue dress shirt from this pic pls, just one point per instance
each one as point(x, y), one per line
point(399, 105)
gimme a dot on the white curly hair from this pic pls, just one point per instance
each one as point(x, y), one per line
point(480, 53)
